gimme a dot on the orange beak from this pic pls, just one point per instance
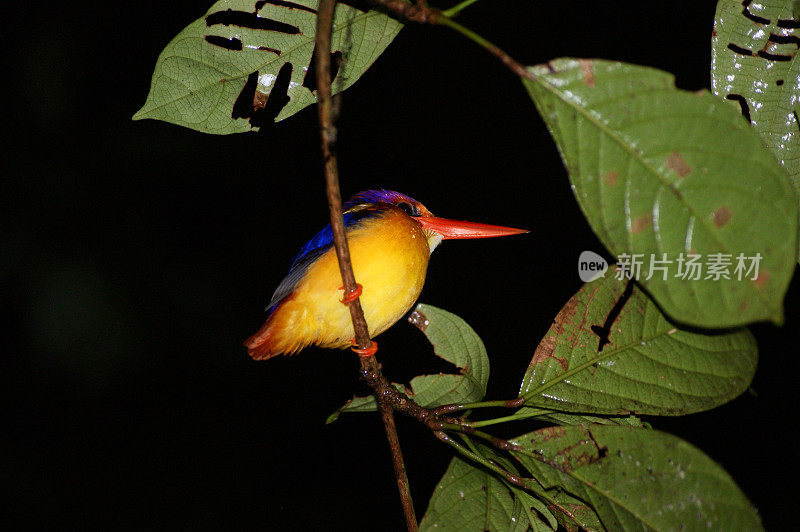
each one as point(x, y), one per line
point(457, 229)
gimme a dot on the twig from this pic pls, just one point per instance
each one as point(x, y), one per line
point(400, 402)
point(419, 12)
point(403, 488)
point(424, 14)
point(327, 137)
point(388, 397)
point(515, 66)
point(327, 132)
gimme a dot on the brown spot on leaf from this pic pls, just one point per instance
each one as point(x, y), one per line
point(546, 350)
point(721, 216)
point(584, 452)
point(641, 223)
point(762, 278)
point(678, 164)
point(548, 433)
point(588, 72)
point(610, 178)
point(555, 336)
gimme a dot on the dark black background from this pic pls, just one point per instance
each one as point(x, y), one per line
point(137, 256)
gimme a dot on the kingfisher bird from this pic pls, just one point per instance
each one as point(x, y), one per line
point(391, 237)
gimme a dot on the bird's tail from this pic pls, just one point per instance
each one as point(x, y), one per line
point(259, 346)
point(281, 334)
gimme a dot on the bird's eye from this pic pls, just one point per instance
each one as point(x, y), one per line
point(407, 208)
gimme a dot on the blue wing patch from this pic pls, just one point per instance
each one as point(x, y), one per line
point(314, 249)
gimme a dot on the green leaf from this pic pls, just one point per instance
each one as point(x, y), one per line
point(637, 479)
point(216, 73)
point(754, 64)
point(657, 170)
point(454, 341)
point(469, 497)
point(572, 513)
point(650, 365)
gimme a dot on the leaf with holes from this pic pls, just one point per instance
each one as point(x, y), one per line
point(613, 352)
point(677, 183)
point(754, 63)
point(454, 341)
point(637, 479)
point(248, 62)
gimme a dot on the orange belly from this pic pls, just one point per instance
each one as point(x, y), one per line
point(390, 259)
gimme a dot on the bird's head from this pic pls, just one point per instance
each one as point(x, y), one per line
point(436, 229)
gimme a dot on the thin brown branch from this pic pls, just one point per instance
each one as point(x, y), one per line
point(456, 407)
point(327, 138)
point(385, 392)
point(403, 488)
point(419, 12)
point(389, 398)
point(327, 132)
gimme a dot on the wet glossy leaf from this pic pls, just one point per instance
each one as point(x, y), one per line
point(754, 65)
point(469, 497)
point(637, 479)
point(453, 340)
point(218, 74)
point(662, 174)
point(648, 366)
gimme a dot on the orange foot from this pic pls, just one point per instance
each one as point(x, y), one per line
point(368, 352)
point(349, 297)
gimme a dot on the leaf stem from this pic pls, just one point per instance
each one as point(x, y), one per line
point(530, 484)
point(534, 412)
point(456, 9)
point(475, 457)
point(506, 59)
point(449, 409)
point(426, 15)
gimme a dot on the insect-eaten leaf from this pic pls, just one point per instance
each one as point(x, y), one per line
point(454, 341)
point(636, 479)
point(753, 64)
point(247, 63)
point(677, 186)
point(612, 351)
